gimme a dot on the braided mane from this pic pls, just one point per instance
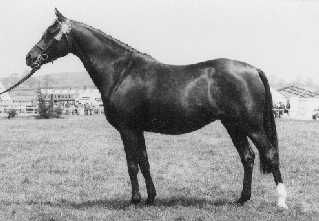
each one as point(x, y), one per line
point(117, 42)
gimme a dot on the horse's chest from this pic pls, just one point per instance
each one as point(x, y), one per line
point(121, 110)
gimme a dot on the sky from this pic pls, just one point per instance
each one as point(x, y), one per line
point(279, 36)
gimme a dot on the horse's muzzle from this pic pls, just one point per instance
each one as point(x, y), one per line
point(36, 62)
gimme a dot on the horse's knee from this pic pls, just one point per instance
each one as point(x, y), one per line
point(132, 169)
point(248, 159)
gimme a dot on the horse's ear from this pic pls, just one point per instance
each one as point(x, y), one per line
point(59, 15)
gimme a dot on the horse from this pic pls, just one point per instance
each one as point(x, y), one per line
point(140, 93)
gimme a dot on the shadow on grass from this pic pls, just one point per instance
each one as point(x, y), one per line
point(191, 202)
point(122, 204)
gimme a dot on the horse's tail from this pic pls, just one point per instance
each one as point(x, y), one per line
point(268, 124)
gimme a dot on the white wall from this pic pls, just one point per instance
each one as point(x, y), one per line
point(302, 108)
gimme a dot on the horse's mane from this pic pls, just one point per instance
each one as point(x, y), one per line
point(119, 43)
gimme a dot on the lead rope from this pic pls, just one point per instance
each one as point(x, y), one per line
point(21, 81)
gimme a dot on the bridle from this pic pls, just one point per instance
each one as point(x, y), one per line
point(65, 29)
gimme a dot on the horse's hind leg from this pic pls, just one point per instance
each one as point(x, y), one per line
point(247, 157)
point(269, 157)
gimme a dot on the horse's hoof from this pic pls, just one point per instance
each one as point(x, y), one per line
point(136, 199)
point(150, 200)
point(282, 204)
point(242, 200)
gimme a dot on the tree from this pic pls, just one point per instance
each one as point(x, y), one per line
point(46, 108)
point(12, 113)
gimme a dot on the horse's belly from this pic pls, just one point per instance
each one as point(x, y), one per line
point(177, 124)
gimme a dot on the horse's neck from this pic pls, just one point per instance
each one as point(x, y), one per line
point(97, 54)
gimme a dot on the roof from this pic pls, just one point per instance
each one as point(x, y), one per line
point(296, 91)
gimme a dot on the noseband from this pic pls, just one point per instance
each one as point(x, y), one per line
point(65, 29)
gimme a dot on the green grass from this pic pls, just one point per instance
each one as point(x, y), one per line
point(75, 169)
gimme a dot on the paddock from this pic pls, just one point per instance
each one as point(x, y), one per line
point(75, 169)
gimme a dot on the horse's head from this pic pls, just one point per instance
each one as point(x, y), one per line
point(54, 43)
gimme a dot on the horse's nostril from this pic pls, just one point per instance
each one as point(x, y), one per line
point(30, 60)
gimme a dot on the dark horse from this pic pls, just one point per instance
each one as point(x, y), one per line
point(141, 94)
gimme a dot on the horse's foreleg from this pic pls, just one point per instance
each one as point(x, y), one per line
point(130, 142)
point(145, 168)
point(247, 157)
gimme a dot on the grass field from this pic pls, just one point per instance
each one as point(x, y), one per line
point(75, 169)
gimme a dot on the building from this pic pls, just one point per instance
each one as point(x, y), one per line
point(72, 100)
point(24, 101)
point(75, 100)
point(303, 101)
point(89, 101)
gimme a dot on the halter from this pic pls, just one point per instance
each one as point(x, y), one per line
point(65, 29)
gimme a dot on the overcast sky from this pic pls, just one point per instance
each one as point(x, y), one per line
point(279, 36)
